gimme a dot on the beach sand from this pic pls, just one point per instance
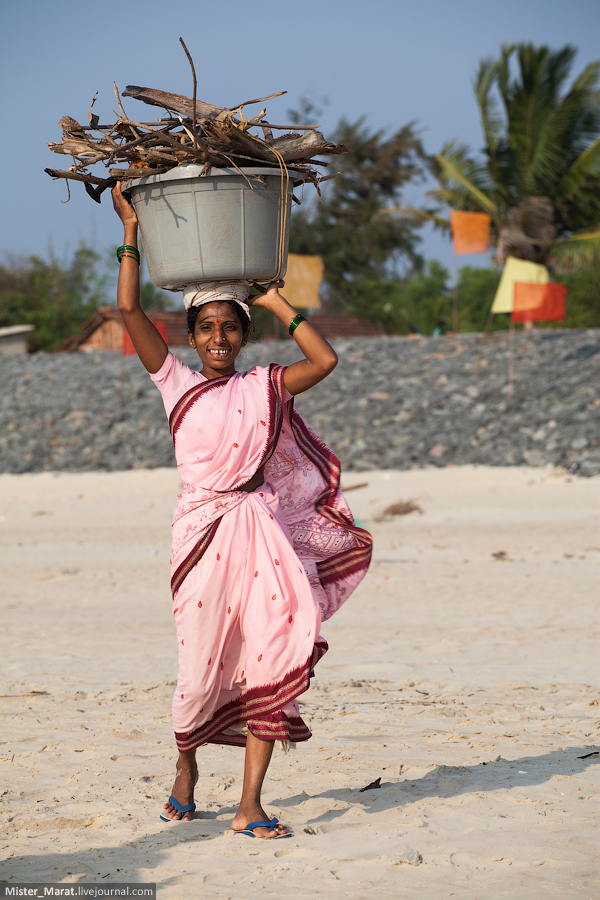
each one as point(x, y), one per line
point(462, 673)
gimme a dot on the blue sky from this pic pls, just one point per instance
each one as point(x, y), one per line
point(391, 62)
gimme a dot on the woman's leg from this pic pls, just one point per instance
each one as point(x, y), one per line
point(183, 788)
point(256, 763)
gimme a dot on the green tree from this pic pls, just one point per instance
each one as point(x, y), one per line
point(539, 178)
point(153, 298)
point(362, 252)
point(417, 304)
point(55, 297)
point(583, 298)
point(476, 290)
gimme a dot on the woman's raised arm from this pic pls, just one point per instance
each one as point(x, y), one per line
point(320, 357)
point(145, 337)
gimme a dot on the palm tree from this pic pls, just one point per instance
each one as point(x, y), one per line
point(540, 177)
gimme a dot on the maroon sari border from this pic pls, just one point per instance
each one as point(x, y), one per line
point(283, 731)
point(229, 740)
point(195, 556)
point(274, 411)
point(265, 698)
point(275, 422)
point(272, 698)
point(356, 560)
point(267, 731)
point(187, 400)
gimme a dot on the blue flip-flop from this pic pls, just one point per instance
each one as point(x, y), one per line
point(191, 807)
point(249, 829)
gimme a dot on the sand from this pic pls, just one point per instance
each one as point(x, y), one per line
point(462, 673)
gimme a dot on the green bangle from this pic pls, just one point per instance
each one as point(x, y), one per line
point(295, 322)
point(128, 250)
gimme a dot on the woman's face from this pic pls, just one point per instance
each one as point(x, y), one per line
point(217, 338)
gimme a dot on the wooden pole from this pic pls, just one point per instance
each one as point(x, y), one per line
point(486, 331)
point(511, 360)
point(455, 297)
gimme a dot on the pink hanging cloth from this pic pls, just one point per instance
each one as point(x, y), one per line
point(253, 573)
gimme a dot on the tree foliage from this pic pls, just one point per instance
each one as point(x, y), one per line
point(583, 298)
point(539, 178)
point(58, 297)
point(54, 297)
point(422, 303)
point(417, 304)
point(358, 247)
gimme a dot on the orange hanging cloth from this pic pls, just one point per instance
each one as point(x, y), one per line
point(129, 350)
point(470, 231)
point(539, 302)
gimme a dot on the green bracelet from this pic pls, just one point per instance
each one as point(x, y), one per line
point(128, 250)
point(295, 322)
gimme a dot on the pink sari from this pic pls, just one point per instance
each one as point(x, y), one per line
point(253, 574)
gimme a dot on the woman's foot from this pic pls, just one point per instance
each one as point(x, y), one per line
point(255, 813)
point(183, 787)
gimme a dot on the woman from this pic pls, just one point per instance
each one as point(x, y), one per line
point(264, 545)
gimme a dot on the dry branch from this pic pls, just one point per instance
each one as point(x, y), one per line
point(191, 132)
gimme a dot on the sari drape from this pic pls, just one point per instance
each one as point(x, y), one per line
point(253, 574)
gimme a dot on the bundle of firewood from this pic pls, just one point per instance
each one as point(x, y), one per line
point(191, 132)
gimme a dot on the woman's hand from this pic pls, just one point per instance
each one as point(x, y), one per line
point(320, 359)
point(270, 297)
point(123, 207)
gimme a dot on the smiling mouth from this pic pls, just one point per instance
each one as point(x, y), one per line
point(219, 353)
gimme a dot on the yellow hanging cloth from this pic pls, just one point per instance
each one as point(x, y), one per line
point(516, 270)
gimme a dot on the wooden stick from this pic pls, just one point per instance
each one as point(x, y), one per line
point(124, 148)
point(250, 102)
point(75, 176)
point(168, 138)
point(92, 116)
point(177, 102)
point(134, 132)
point(128, 174)
point(191, 62)
point(290, 128)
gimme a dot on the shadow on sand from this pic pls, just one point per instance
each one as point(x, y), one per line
point(127, 861)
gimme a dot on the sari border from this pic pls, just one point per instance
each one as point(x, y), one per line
point(275, 388)
point(200, 548)
point(356, 560)
point(187, 400)
point(271, 698)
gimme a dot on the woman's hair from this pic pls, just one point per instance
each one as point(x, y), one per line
point(192, 315)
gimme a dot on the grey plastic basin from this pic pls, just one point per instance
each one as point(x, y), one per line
point(220, 226)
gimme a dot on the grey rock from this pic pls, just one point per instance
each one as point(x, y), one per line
point(391, 403)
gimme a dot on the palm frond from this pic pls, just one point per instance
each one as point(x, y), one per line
point(503, 77)
point(587, 165)
point(411, 212)
point(540, 176)
point(454, 199)
point(458, 167)
point(575, 250)
point(492, 120)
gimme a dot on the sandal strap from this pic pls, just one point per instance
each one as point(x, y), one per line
point(252, 825)
point(182, 809)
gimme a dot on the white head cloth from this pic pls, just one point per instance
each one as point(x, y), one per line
point(210, 291)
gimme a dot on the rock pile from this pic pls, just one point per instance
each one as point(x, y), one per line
point(392, 402)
